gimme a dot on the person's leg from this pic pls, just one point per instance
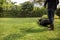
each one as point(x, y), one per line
point(51, 18)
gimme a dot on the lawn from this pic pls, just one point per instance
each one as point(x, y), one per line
point(27, 29)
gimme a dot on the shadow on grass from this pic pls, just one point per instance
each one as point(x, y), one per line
point(31, 30)
point(54, 39)
point(13, 36)
point(23, 32)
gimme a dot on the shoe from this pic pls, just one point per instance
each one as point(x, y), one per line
point(51, 27)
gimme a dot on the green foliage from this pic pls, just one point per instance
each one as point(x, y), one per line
point(44, 16)
point(37, 12)
point(55, 16)
point(1, 8)
point(27, 8)
point(1, 11)
point(58, 12)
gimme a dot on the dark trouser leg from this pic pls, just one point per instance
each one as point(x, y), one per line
point(51, 18)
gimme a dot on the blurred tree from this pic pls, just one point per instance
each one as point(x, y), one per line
point(7, 6)
point(27, 7)
point(1, 8)
point(38, 12)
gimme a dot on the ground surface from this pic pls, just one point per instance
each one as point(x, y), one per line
point(27, 29)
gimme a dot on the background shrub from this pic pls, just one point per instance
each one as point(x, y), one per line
point(55, 16)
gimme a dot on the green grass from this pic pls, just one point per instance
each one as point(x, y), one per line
point(27, 29)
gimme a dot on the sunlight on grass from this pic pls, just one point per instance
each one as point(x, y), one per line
point(27, 29)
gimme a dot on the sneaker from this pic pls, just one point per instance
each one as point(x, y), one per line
point(51, 27)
